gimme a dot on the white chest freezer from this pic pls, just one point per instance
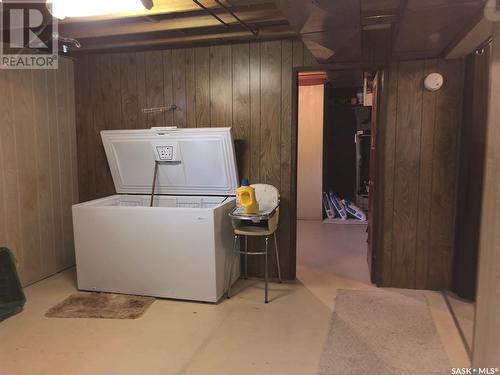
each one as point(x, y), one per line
point(179, 246)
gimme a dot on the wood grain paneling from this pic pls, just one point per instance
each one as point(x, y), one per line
point(445, 174)
point(86, 160)
point(10, 200)
point(425, 180)
point(141, 89)
point(418, 175)
point(406, 187)
point(221, 106)
point(202, 85)
point(255, 113)
point(190, 88)
point(241, 105)
point(66, 174)
point(24, 139)
point(55, 176)
point(41, 113)
point(179, 87)
point(286, 149)
point(247, 86)
point(103, 178)
point(387, 138)
point(158, 72)
point(38, 169)
point(270, 86)
point(129, 95)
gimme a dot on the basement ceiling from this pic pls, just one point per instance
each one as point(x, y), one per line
point(429, 27)
point(178, 22)
point(328, 28)
point(341, 30)
point(333, 30)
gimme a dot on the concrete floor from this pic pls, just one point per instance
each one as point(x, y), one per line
point(338, 249)
point(238, 336)
point(464, 313)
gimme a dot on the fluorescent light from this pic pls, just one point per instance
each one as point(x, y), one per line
point(87, 8)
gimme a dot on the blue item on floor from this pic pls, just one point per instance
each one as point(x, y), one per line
point(329, 209)
point(354, 211)
point(338, 205)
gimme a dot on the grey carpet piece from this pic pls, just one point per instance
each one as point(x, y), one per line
point(386, 332)
point(101, 305)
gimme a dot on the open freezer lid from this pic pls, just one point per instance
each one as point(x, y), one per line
point(198, 161)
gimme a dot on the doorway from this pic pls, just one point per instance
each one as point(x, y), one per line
point(334, 152)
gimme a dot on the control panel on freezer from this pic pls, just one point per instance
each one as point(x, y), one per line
point(167, 152)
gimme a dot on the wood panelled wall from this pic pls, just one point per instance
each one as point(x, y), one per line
point(247, 86)
point(418, 145)
point(38, 168)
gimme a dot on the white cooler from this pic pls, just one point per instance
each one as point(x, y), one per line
point(181, 246)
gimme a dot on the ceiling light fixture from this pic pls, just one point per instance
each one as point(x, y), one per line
point(87, 8)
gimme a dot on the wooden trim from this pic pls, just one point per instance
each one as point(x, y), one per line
point(313, 78)
point(293, 180)
point(379, 199)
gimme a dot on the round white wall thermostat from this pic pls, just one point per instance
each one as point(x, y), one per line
point(433, 81)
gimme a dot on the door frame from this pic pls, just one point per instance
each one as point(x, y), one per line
point(294, 149)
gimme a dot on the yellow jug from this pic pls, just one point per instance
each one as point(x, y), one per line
point(245, 196)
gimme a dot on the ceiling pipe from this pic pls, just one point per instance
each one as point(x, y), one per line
point(72, 41)
point(208, 10)
point(245, 25)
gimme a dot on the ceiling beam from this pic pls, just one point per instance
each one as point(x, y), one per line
point(209, 11)
point(272, 31)
point(397, 22)
point(179, 21)
point(255, 33)
point(160, 7)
